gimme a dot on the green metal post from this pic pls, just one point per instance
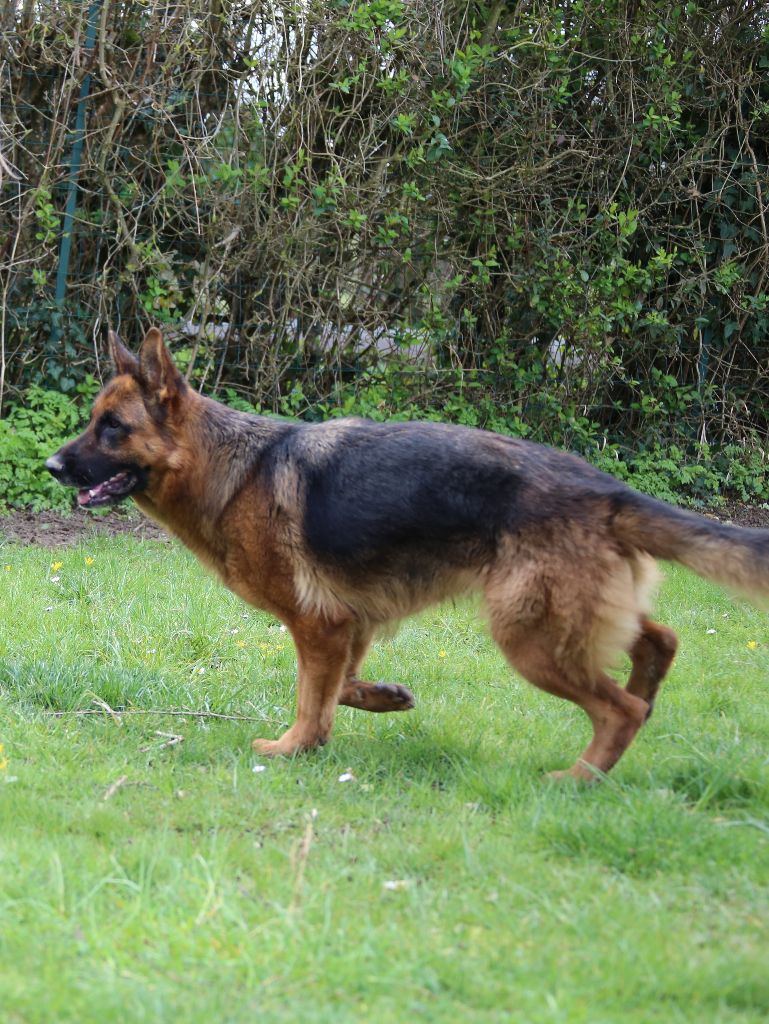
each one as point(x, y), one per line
point(74, 171)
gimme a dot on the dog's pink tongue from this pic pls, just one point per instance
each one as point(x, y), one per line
point(83, 497)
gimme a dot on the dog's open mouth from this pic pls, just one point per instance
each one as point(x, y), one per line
point(110, 492)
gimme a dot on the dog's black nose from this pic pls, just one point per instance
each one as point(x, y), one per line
point(55, 465)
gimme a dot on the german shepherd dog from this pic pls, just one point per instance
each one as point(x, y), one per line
point(340, 528)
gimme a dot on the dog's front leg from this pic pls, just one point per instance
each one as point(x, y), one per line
point(323, 655)
point(356, 693)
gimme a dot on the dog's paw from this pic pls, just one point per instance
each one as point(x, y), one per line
point(281, 747)
point(393, 697)
point(579, 772)
point(271, 748)
point(378, 697)
point(290, 743)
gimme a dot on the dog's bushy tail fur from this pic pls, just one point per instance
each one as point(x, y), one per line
point(735, 556)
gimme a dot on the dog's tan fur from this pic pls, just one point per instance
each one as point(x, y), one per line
point(566, 578)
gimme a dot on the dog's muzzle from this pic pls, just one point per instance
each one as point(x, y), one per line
point(93, 492)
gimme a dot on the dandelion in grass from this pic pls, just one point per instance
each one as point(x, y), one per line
point(442, 654)
point(55, 566)
point(8, 568)
point(3, 759)
point(88, 560)
point(752, 645)
point(240, 643)
point(269, 648)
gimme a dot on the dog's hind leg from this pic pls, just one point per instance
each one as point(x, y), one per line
point(323, 654)
point(370, 696)
point(652, 655)
point(560, 644)
point(616, 714)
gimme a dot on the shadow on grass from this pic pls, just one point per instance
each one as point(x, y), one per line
point(51, 685)
point(722, 779)
point(60, 686)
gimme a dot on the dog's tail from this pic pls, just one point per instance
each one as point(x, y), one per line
point(735, 556)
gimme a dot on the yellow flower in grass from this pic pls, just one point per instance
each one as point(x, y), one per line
point(88, 560)
point(270, 647)
point(3, 760)
point(8, 568)
point(55, 566)
point(441, 654)
point(752, 645)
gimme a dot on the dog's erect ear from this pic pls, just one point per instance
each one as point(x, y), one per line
point(157, 370)
point(123, 360)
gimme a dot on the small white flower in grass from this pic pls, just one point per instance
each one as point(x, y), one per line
point(709, 631)
point(259, 768)
point(55, 579)
point(282, 628)
point(346, 777)
point(396, 884)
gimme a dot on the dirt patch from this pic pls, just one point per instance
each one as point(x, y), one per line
point(53, 529)
point(740, 514)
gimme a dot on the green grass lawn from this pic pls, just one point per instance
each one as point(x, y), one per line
point(146, 880)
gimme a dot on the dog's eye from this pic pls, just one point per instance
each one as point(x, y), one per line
point(110, 427)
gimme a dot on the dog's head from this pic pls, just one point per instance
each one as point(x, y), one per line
point(130, 440)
